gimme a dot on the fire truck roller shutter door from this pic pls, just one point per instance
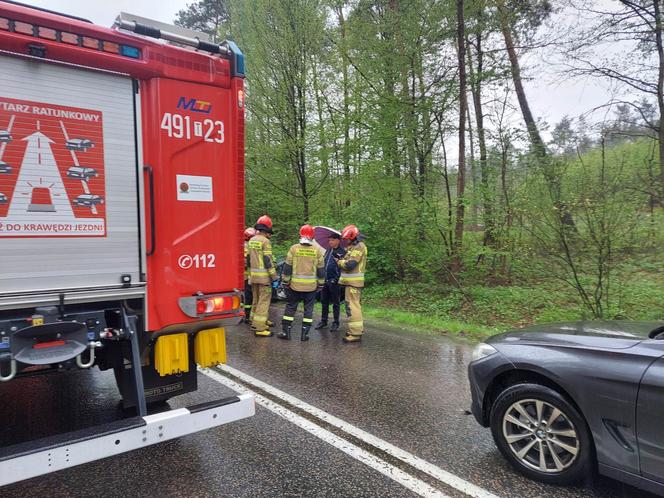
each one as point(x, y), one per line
point(90, 221)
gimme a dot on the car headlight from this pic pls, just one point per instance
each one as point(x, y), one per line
point(482, 350)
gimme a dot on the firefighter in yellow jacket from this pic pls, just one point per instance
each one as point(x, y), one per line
point(303, 275)
point(248, 297)
point(262, 275)
point(352, 268)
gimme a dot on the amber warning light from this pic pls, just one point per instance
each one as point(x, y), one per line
point(46, 33)
point(202, 305)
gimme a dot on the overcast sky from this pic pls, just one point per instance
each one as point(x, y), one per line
point(550, 99)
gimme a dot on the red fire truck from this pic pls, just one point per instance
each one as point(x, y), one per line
point(121, 217)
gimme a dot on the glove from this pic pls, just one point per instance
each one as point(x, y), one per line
point(275, 284)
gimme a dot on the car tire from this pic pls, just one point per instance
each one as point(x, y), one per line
point(562, 444)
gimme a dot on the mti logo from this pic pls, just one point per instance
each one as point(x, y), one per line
point(194, 105)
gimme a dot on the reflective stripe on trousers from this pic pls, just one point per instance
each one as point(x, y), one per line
point(261, 306)
point(294, 298)
point(355, 322)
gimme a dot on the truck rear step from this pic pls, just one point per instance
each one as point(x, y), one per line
point(34, 458)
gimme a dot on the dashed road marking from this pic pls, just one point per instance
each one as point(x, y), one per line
point(408, 481)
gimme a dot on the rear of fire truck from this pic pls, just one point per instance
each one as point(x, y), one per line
point(121, 216)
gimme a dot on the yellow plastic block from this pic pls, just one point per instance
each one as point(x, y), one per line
point(210, 347)
point(171, 354)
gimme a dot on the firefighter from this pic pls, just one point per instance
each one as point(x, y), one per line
point(262, 276)
point(352, 267)
point(303, 275)
point(248, 234)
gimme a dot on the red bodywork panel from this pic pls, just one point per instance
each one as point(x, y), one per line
point(196, 158)
point(157, 59)
point(191, 142)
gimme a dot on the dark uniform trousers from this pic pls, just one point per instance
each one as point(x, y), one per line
point(294, 298)
point(248, 300)
point(331, 294)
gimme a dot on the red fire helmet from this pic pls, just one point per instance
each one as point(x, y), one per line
point(264, 220)
point(307, 231)
point(249, 233)
point(350, 232)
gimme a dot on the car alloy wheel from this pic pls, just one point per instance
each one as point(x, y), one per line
point(540, 435)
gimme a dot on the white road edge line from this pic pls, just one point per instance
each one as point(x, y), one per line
point(412, 483)
point(443, 476)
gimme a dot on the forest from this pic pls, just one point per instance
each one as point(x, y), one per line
point(412, 120)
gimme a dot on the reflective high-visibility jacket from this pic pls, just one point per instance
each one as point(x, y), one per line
point(261, 263)
point(353, 265)
point(304, 269)
point(246, 260)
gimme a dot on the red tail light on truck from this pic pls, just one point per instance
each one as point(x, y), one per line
point(122, 213)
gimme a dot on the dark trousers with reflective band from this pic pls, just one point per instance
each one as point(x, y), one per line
point(294, 298)
point(331, 294)
point(248, 299)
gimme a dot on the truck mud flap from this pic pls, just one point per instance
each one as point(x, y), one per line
point(34, 458)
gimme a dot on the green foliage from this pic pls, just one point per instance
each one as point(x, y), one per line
point(205, 16)
point(352, 115)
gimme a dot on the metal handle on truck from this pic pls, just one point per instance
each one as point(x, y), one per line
point(12, 371)
point(153, 241)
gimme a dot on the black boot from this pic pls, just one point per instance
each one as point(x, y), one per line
point(285, 330)
point(334, 327)
point(305, 332)
point(321, 325)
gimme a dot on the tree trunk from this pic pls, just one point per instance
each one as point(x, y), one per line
point(660, 87)
point(324, 151)
point(345, 156)
point(473, 164)
point(463, 104)
point(539, 149)
point(531, 125)
point(476, 91)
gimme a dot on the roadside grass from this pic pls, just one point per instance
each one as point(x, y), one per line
point(485, 311)
point(419, 323)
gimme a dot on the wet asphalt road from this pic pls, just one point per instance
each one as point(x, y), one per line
point(407, 388)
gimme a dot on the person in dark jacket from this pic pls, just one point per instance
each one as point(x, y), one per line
point(331, 292)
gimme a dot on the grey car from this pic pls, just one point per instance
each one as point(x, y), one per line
point(565, 400)
point(80, 144)
point(82, 173)
point(88, 200)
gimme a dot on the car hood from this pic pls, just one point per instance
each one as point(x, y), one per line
point(608, 334)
